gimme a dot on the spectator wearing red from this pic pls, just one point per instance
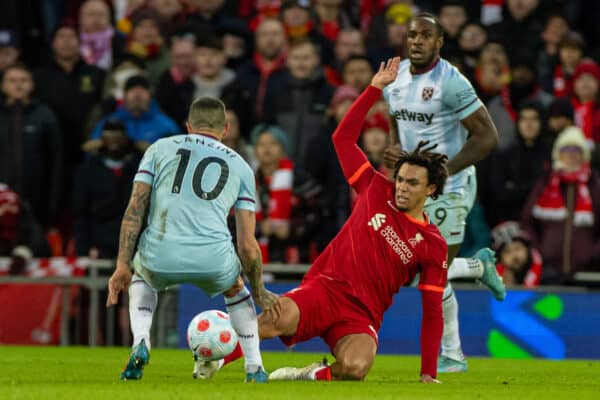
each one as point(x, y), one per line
point(563, 209)
point(21, 237)
point(556, 27)
point(255, 78)
point(586, 92)
point(518, 262)
point(570, 54)
point(375, 138)
point(330, 17)
point(147, 42)
point(274, 183)
point(299, 24)
point(349, 42)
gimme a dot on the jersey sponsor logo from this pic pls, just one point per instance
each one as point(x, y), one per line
point(416, 240)
point(407, 115)
point(427, 93)
point(376, 221)
point(397, 244)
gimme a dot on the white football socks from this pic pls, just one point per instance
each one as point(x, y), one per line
point(242, 314)
point(465, 268)
point(451, 338)
point(142, 303)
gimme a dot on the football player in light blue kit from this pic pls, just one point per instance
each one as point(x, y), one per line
point(431, 100)
point(188, 184)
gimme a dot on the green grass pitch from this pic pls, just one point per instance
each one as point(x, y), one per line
point(45, 373)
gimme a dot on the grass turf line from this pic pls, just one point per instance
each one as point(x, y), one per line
point(47, 373)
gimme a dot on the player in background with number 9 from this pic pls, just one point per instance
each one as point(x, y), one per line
point(188, 184)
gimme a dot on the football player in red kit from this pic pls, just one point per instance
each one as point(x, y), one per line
point(386, 241)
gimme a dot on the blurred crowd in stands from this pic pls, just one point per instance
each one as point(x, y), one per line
point(88, 85)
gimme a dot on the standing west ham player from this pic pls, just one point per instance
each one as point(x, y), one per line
point(431, 100)
point(385, 243)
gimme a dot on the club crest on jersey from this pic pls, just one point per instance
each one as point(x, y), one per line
point(416, 240)
point(376, 221)
point(427, 93)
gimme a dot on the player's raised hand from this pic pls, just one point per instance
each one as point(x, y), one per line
point(387, 73)
point(119, 281)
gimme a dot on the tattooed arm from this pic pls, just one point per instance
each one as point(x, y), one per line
point(130, 230)
point(250, 256)
point(132, 221)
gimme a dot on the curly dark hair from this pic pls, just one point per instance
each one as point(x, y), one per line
point(435, 163)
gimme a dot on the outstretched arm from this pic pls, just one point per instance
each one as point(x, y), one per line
point(130, 230)
point(353, 161)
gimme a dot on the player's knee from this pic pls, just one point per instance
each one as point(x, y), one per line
point(355, 368)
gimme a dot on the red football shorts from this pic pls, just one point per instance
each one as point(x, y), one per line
point(327, 313)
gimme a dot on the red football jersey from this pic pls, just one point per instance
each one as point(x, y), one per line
point(380, 249)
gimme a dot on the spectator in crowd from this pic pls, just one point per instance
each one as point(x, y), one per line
point(246, 95)
point(207, 15)
point(330, 17)
point(237, 43)
point(147, 42)
point(357, 72)
point(235, 140)
point(321, 163)
point(452, 15)
point(570, 54)
point(387, 37)
point(518, 262)
point(375, 138)
point(492, 72)
point(170, 13)
point(562, 211)
point(31, 148)
point(211, 75)
point(521, 26)
point(143, 119)
point(21, 237)
point(471, 39)
point(9, 49)
point(523, 86)
point(71, 88)
point(298, 104)
point(98, 39)
point(299, 24)
point(175, 90)
point(349, 42)
point(560, 116)
point(517, 168)
point(274, 182)
point(555, 30)
point(586, 107)
point(102, 189)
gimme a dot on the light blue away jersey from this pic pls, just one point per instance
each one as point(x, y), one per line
point(195, 181)
point(430, 106)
